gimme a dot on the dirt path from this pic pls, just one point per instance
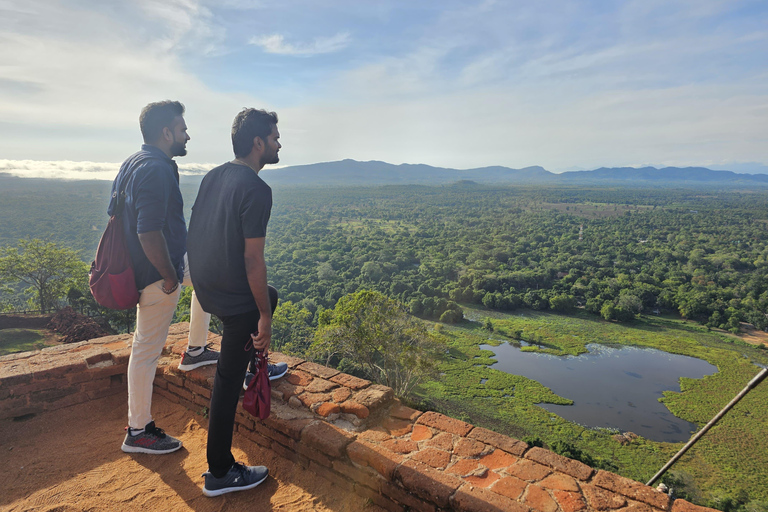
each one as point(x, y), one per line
point(70, 460)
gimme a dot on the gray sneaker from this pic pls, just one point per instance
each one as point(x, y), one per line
point(152, 440)
point(275, 372)
point(239, 478)
point(207, 356)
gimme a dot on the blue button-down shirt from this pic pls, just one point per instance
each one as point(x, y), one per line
point(153, 202)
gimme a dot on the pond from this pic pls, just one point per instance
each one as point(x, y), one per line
point(612, 387)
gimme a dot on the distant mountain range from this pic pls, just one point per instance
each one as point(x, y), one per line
point(354, 173)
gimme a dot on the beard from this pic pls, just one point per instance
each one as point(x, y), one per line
point(178, 148)
point(269, 159)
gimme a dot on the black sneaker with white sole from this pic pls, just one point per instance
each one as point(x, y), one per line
point(153, 440)
point(207, 356)
point(239, 478)
point(275, 372)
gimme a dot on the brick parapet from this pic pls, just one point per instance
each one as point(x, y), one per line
point(352, 432)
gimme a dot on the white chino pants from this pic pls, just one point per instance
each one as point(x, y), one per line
point(153, 318)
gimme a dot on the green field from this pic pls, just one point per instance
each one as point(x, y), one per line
point(20, 340)
point(725, 463)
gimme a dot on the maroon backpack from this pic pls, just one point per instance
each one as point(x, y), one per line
point(258, 397)
point(111, 277)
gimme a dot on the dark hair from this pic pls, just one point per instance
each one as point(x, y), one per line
point(156, 116)
point(250, 123)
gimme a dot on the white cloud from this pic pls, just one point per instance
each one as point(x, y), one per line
point(68, 170)
point(276, 43)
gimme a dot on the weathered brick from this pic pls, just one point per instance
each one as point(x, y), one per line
point(313, 455)
point(602, 499)
point(298, 378)
point(681, 505)
point(400, 495)
point(565, 465)
point(497, 459)
point(181, 392)
point(57, 366)
point(510, 487)
point(438, 459)
point(469, 448)
point(506, 443)
point(160, 382)
point(198, 389)
point(309, 399)
point(39, 385)
point(12, 404)
point(560, 482)
point(373, 436)
point(104, 392)
point(352, 407)
point(528, 470)
point(350, 381)
point(77, 378)
point(319, 385)
point(443, 441)
point(397, 427)
point(400, 446)
point(341, 395)
point(484, 479)
point(421, 433)
point(339, 481)
point(108, 371)
point(539, 499)
point(444, 423)
point(95, 385)
point(285, 453)
point(289, 427)
point(327, 408)
point(167, 395)
point(570, 501)
point(21, 411)
point(292, 362)
point(326, 438)
point(402, 412)
point(51, 395)
point(473, 499)
point(287, 389)
point(255, 437)
point(365, 475)
point(318, 370)
point(632, 489)
point(67, 401)
point(379, 458)
point(464, 467)
point(374, 396)
point(174, 379)
point(427, 483)
point(98, 357)
point(379, 499)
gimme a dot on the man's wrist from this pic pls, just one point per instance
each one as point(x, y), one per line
point(170, 290)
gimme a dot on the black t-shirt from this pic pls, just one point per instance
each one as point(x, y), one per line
point(233, 204)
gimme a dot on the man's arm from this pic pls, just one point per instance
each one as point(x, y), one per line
point(256, 270)
point(156, 249)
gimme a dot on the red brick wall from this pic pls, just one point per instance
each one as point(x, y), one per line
point(348, 430)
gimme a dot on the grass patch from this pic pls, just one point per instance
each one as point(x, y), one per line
point(724, 463)
point(20, 340)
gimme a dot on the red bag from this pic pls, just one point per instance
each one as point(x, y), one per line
point(258, 396)
point(111, 277)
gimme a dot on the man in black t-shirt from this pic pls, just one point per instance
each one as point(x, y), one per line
point(225, 247)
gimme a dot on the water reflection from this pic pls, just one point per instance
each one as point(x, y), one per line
point(614, 387)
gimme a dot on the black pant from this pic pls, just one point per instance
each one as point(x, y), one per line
point(230, 373)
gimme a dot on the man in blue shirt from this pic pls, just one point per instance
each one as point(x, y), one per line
point(156, 236)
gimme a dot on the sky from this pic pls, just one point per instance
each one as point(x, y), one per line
point(462, 84)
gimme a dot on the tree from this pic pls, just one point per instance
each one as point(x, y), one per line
point(376, 333)
point(47, 268)
point(292, 330)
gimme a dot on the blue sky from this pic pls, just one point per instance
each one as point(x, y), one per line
point(562, 84)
